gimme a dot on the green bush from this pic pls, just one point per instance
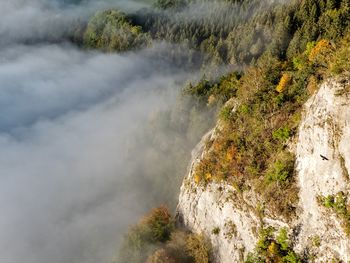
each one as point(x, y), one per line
point(291, 257)
point(265, 238)
point(226, 113)
point(339, 205)
point(282, 239)
point(329, 201)
point(157, 225)
point(216, 231)
point(281, 170)
point(281, 134)
point(269, 249)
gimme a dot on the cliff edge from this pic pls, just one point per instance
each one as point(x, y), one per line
point(231, 219)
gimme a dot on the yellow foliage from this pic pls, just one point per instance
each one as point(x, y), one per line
point(197, 178)
point(229, 156)
point(321, 48)
point(208, 176)
point(136, 30)
point(273, 248)
point(285, 80)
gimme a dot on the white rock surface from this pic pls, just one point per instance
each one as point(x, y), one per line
point(205, 208)
point(324, 130)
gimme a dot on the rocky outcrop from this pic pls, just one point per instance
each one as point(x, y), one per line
point(324, 131)
point(212, 211)
point(230, 220)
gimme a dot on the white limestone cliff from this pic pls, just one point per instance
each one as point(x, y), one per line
point(230, 221)
point(325, 130)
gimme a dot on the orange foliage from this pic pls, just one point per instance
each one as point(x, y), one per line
point(222, 162)
point(231, 153)
point(208, 177)
point(156, 215)
point(197, 178)
point(322, 48)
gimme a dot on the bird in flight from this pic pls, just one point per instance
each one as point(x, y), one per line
point(324, 158)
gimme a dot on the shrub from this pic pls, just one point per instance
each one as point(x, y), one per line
point(265, 237)
point(281, 134)
point(216, 231)
point(300, 62)
point(226, 113)
point(269, 249)
point(281, 170)
point(202, 89)
point(329, 201)
point(319, 52)
point(291, 257)
point(141, 239)
point(282, 239)
point(157, 225)
point(273, 249)
point(284, 82)
point(244, 109)
point(339, 205)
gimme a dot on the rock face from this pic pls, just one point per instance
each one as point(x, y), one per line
point(213, 211)
point(230, 220)
point(325, 130)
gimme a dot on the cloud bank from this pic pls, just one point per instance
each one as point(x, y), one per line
point(72, 177)
point(49, 20)
point(68, 122)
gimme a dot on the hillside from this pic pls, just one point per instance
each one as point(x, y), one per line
point(318, 229)
point(270, 182)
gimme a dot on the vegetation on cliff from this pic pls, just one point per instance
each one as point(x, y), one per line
point(273, 247)
point(155, 240)
point(282, 51)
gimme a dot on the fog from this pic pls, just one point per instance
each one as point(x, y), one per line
point(73, 173)
point(28, 21)
point(218, 12)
